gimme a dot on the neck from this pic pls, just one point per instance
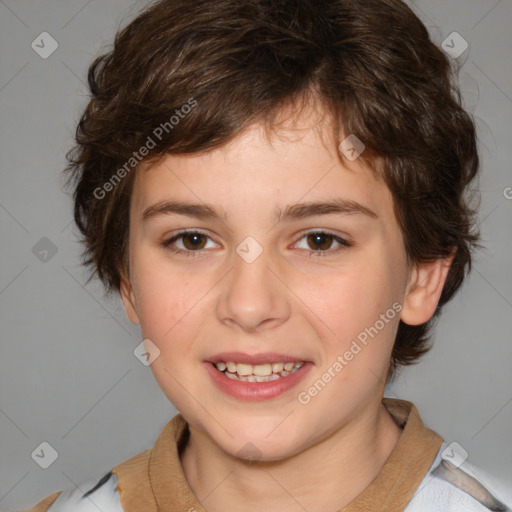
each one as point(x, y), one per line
point(325, 476)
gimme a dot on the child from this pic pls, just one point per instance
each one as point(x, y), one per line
point(277, 190)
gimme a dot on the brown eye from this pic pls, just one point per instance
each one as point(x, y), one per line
point(320, 241)
point(194, 241)
point(188, 243)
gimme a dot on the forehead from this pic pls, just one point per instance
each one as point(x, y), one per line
point(296, 158)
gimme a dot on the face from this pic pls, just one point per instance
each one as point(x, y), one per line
point(272, 249)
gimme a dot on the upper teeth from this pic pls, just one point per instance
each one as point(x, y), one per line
point(260, 370)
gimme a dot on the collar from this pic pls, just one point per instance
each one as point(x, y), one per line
point(154, 479)
point(405, 468)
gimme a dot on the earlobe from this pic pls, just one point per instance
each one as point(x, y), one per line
point(424, 291)
point(129, 301)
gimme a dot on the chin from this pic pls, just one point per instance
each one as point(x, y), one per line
point(259, 448)
point(252, 453)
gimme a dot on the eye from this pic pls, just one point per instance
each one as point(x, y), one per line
point(191, 241)
point(321, 242)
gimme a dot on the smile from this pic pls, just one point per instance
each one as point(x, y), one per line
point(258, 372)
point(244, 383)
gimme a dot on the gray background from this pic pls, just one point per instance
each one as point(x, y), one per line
point(68, 375)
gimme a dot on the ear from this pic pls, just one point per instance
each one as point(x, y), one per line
point(128, 299)
point(424, 290)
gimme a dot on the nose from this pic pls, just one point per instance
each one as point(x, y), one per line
point(252, 297)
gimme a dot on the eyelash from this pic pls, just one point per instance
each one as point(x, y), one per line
point(167, 244)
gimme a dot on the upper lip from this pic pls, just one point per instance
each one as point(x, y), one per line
point(262, 358)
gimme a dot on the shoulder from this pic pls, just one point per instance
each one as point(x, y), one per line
point(92, 496)
point(453, 484)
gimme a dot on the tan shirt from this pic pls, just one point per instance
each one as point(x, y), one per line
point(154, 481)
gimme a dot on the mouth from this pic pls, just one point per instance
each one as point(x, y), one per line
point(265, 372)
point(256, 377)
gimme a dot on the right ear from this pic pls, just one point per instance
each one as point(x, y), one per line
point(128, 299)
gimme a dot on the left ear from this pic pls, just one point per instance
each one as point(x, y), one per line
point(424, 290)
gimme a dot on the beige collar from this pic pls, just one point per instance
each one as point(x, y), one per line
point(154, 480)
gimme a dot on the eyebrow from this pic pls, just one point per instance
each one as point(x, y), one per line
point(288, 213)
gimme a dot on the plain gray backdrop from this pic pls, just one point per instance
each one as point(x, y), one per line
point(68, 374)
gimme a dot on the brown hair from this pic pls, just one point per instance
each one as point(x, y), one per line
point(370, 62)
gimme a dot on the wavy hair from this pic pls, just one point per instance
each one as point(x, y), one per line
point(370, 62)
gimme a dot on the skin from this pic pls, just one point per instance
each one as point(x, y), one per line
point(302, 297)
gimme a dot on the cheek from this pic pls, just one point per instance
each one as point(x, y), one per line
point(346, 299)
point(348, 310)
point(163, 299)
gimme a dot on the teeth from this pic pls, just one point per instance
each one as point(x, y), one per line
point(252, 378)
point(267, 379)
point(221, 366)
point(262, 370)
point(243, 369)
point(258, 372)
point(277, 367)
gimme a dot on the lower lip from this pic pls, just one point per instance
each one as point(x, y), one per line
point(256, 391)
